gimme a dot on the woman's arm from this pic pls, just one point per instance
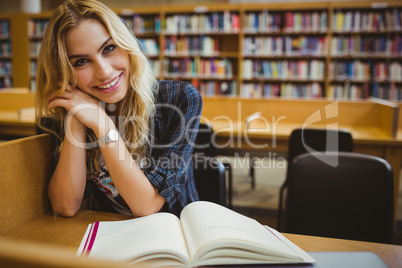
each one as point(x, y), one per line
point(67, 184)
point(131, 183)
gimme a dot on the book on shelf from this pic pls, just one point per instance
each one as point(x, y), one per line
point(205, 234)
point(214, 22)
point(4, 28)
point(376, 21)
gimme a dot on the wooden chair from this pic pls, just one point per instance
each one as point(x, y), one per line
point(320, 140)
point(341, 195)
point(25, 170)
point(25, 166)
point(210, 179)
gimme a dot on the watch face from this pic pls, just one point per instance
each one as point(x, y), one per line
point(113, 134)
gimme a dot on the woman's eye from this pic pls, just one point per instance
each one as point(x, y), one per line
point(109, 49)
point(80, 62)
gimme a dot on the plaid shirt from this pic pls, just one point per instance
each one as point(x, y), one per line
point(174, 129)
point(168, 161)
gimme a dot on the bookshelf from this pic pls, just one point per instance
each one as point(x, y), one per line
point(200, 44)
point(36, 26)
point(366, 52)
point(6, 78)
point(284, 51)
point(334, 50)
point(145, 22)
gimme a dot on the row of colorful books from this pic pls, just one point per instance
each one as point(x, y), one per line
point(345, 91)
point(391, 91)
point(365, 71)
point(196, 67)
point(283, 90)
point(348, 91)
point(6, 67)
point(285, 45)
point(5, 48)
point(191, 45)
point(366, 45)
point(352, 70)
point(355, 92)
point(387, 72)
point(306, 21)
point(262, 22)
point(143, 24)
point(225, 22)
point(213, 88)
point(36, 28)
point(4, 28)
point(149, 46)
point(34, 47)
point(356, 21)
point(32, 67)
point(6, 82)
point(285, 69)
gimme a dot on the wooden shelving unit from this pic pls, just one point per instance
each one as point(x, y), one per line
point(286, 50)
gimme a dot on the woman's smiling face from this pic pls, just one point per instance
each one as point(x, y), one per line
point(101, 67)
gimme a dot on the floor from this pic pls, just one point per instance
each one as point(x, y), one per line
point(261, 203)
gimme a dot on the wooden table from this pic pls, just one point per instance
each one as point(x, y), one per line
point(66, 234)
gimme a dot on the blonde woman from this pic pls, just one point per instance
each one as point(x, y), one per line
point(124, 136)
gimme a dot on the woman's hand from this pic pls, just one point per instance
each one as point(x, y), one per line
point(83, 107)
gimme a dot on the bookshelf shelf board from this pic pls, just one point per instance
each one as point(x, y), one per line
point(285, 56)
point(189, 33)
point(147, 35)
point(366, 57)
point(219, 55)
point(286, 33)
point(365, 32)
point(274, 80)
point(184, 77)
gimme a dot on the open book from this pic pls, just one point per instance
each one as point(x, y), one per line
point(205, 234)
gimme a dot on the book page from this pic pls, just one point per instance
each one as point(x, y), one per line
point(212, 230)
point(158, 235)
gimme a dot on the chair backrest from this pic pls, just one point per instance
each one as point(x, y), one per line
point(210, 179)
point(25, 167)
point(312, 140)
point(319, 140)
point(203, 142)
point(353, 200)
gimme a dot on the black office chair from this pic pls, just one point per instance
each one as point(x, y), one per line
point(204, 146)
point(308, 140)
point(210, 179)
point(342, 195)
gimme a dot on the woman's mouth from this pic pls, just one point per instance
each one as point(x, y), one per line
point(110, 86)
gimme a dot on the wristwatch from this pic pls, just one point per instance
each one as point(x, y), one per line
point(112, 135)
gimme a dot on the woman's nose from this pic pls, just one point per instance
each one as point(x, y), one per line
point(103, 69)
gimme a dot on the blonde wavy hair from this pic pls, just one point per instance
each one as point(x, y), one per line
point(55, 72)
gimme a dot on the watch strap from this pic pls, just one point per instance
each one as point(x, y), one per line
point(112, 135)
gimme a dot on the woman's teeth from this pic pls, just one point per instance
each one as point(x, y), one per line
point(110, 84)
